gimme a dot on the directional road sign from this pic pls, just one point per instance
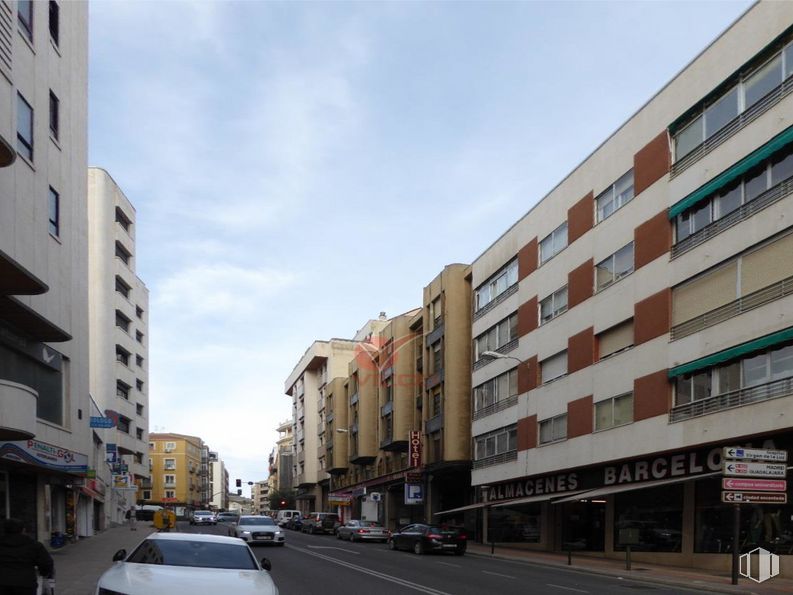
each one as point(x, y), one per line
point(753, 498)
point(754, 485)
point(757, 454)
point(774, 470)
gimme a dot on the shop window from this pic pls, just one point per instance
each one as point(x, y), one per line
point(656, 513)
point(514, 524)
point(584, 525)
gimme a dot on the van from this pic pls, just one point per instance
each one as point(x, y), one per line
point(284, 516)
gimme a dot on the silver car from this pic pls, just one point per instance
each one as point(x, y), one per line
point(355, 530)
point(259, 529)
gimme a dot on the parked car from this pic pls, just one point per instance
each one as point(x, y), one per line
point(203, 517)
point(282, 517)
point(228, 517)
point(320, 522)
point(199, 564)
point(356, 530)
point(259, 529)
point(429, 538)
point(295, 523)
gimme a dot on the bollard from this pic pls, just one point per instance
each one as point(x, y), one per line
point(492, 547)
point(627, 557)
point(569, 556)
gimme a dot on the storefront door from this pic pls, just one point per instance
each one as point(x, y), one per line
point(583, 526)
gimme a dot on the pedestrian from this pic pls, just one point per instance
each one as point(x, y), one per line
point(20, 555)
point(132, 515)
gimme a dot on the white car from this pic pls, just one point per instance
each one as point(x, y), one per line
point(203, 517)
point(199, 564)
point(259, 529)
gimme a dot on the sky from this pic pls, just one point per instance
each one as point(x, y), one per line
point(299, 167)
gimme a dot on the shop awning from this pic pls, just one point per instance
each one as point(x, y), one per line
point(538, 498)
point(463, 508)
point(617, 489)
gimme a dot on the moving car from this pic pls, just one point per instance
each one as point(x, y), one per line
point(320, 522)
point(259, 529)
point(356, 530)
point(203, 517)
point(228, 517)
point(199, 564)
point(429, 538)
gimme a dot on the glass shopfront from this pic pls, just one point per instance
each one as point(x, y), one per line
point(514, 524)
point(657, 516)
point(583, 525)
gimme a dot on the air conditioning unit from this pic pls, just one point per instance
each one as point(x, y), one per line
point(375, 497)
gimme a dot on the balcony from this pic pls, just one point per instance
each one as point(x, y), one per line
point(389, 443)
point(434, 380)
point(436, 334)
point(495, 407)
point(17, 411)
point(733, 399)
point(434, 424)
point(387, 408)
point(354, 398)
point(504, 457)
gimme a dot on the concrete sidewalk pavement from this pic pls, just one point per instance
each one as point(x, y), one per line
point(78, 566)
point(706, 580)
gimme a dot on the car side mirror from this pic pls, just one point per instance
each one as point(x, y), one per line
point(266, 564)
point(119, 555)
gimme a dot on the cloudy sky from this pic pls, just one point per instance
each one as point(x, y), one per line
point(299, 167)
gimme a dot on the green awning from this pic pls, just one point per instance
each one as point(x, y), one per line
point(732, 353)
point(758, 156)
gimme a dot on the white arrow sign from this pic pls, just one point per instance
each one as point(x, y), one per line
point(757, 454)
point(736, 468)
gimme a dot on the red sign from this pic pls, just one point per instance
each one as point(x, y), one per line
point(415, 449)
point(755, 485)
point(753, 498)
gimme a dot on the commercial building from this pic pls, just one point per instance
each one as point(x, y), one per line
point(119, 337)
point(46, 444)
point(642, 316)
point(176, 465)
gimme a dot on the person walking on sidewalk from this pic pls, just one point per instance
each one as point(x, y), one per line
point(20, 555)
point(132, 515)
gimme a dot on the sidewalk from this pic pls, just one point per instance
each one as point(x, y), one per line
point(705, 580)
point(78, 566)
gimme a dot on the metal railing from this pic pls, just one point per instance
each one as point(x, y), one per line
point(743, 304)
point(732, 399)
point(506, 348)
point(495, 407)
point(512, 289)
point(504, 457)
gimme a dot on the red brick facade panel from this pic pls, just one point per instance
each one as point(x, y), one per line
point(580, 218)
point(652, 316)
point(579, 417)
point(580, 282)
point(527, 375)
point(527, 432)
point(527, 317)
point(651, 163)
point(651, 239)
point(580, 350)
point(527, 260)
point(652, 395)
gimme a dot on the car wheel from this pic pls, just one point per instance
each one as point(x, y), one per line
point(391, 544)
point(418, 548)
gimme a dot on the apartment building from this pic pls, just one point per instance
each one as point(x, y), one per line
point(217, 497)
point(176, 465)
point(260, 497)
point(119, 335)
point(639, 319)
point(45, 441)
point(281, 461)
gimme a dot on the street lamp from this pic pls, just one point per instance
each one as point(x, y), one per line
point(342, 430)
point(497, 355)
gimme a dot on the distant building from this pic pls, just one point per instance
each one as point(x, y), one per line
point(175, 471)
point(218, 483)
point(260, 497)
point(240, 504)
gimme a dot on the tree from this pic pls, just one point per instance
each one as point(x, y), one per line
point(282, 500)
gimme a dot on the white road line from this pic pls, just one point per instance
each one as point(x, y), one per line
point(330, 547)
point(566, 588)
point(497, 574)
point(386, 577)
point(450, 564)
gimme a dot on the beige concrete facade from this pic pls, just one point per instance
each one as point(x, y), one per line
point(175, 471)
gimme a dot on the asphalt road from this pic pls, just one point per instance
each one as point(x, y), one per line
point(323, 565)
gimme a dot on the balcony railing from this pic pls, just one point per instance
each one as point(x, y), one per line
point(495, 407)
point(506, 348)
point(504, 457)
point(354, 398)
point(733, 399)
point(743, 304)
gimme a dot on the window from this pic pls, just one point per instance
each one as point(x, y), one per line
point(24, 128)
point(505, 278)
point(554, 305)
point(496, 390)
point(25, 17)
point(152, 446)
point(122, 321)
point(553, 243)
point(615, 196)
point(54, 115)
point(553, 429)
point(122, 287)
point(436, 312)
point(55, 21)
point(614, 412)
point(122, 389)
point(614, 268)
point(497, 336)
point(122, 253)
point(139, 384)
point(615, 339)
point(388, 427)
point(436, 401)
point(123, 424)
point(170, 494)
point(138, 409)
point(122, 219)
point(138, 456)
point(437, 358)
point(169, 480)
point(54, 208)
point(122, 355)
point(139, 312)
point(139, 361)
point(170, 447)
point(139, 433)
point(693, 387)
point(553, 367)
point(147, 494)
point(139, 337)
point(169, 463)
point(495, 443)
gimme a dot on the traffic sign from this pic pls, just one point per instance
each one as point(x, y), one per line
point(754, 485)
point(753, 498)
point(757, 454)
point(774, 470)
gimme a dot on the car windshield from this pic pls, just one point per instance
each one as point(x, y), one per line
point(369, 524)
point(443, 530)
point(203, 513)
point(252, 520)
point(201, 554)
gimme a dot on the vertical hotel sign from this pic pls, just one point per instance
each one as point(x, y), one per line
point(415, 449)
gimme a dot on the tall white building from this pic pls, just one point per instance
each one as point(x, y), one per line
point(119, 334)
point(46, 445)
point(218, 482)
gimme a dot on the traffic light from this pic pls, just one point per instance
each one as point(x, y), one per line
point(282, 503)
point(239, 483)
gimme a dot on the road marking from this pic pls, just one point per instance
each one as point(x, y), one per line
point(497, 574)
point(566, 588)
point(450, 564)
point(330, 547)
point(386, 577)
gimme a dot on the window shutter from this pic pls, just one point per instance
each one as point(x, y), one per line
point(704, 293)
point(766, 266)
point(615, 339)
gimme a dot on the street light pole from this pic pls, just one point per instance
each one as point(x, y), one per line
point(497, 355)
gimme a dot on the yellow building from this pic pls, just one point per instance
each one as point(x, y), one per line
point(175, 465)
